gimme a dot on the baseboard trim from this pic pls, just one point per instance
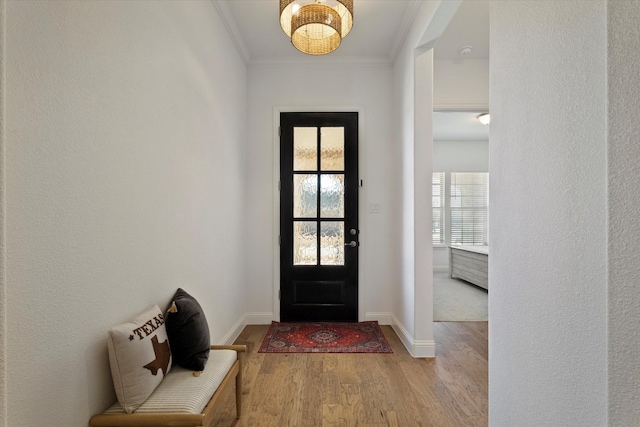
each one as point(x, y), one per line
point(403, 334)
point(381, 318)
point(416, 348)
point(263, 318)
point(235, 331)
point(424, 349)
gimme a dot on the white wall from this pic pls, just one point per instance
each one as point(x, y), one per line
point(460, 156)
point(403, 247)
point(310, 88)
point(457, 156)
point(3, 282)
point(414, 294)
point(548, 228)
point(624, 204)
point(125, 145)
point(461, 83)
point(424, 345)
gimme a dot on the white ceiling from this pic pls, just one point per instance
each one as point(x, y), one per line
point(458, 126)
point(469, 27)
point(380, 28)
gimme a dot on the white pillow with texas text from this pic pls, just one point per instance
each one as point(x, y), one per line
point(139, 356)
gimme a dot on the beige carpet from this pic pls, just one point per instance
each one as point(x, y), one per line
point(457, 300)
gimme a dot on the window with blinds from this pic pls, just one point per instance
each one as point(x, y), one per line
point(469, 208)
point(437, 203)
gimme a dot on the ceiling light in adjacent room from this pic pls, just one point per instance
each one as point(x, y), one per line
point(466, 50)
point(484, 118)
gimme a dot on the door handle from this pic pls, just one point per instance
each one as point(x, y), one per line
point(352, 243)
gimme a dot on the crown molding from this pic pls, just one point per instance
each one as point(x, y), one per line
point(232, 29)
point(462, 108)
point(319, 62)
point(401, 36)
point(388, 60)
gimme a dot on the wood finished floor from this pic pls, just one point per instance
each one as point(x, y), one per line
point(366, 390)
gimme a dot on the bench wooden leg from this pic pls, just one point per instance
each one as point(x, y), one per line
point(239, 392)
point(239, 348)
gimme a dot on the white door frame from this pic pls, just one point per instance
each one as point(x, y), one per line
point(276, 198)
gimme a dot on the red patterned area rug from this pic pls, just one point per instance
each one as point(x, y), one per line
point(323, 337)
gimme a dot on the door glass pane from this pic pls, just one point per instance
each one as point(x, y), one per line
point(305, 195)
point(332, 243)
point(305, 149)
point(332, 196)
point(332, 149)
point(305, 243)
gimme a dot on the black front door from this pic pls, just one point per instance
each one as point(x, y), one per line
point(319, 217)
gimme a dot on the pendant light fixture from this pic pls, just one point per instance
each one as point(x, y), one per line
point(316, 28)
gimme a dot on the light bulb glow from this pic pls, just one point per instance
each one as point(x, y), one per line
point(484, 118)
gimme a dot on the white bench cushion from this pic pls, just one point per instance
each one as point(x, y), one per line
point(182, 392)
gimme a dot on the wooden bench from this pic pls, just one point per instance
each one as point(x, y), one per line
point(161, 410)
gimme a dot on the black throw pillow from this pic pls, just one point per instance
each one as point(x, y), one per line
point(188, 332)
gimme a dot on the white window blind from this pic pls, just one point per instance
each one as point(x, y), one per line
point(437, 203)
point(469, 208)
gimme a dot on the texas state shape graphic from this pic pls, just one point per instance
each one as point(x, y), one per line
point(163, 355)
